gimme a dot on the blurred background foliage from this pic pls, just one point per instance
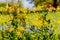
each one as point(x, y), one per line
point(42, 2)
point(18, 23)
point(36, 2)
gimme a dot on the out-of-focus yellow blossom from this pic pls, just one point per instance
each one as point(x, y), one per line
point(18, 10)
point(51, 19)
point(33, 36)
point(23, 16)
point(58, 8)
point(6, 7)
point(7, 20)
point(38, 24)
point(20, 28)
point(34, 23)
point(39, 7)
point(14, 5)
point(43, 6)
point(0, 20)
point(47, 33)
point(41, 18)
point(10, 29)
point(24, 10)
point(45, 23)
point(26, 16)
point(40, 21)
point(11, 9)
point(54, 28)
point(2, 8)
point(58, 21)
point(11, 17)
point(26, 20)
point(19, 34)
point(19, 16)
point(24, 38)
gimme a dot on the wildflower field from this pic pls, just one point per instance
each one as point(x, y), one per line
point(40, 23)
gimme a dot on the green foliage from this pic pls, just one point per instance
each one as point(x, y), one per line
point(2, 4)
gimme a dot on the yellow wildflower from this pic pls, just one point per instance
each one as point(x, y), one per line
point(26, 16)
point(18, 10)
point(45, 23)
point(23, 16)
point(20, 28)
point(51, 19)
point(24, 38)
point(58, 21)
point(11, 29)
point(11, 17)
point(58, 8)
point(24, 10)
point(11, 10)
point(33, 36)
point(34, 23)
point(39, 7)
point(19, 16)
point(54, 28)
point(19, 34)
point(14, 5)
point(38, 24)
point(41, 18)
point(40, 21)
point(1, 8)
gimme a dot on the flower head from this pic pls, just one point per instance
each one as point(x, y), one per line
point(20, 29)
point(18, 34)
point(10, 29)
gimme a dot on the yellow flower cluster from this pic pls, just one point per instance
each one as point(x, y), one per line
point(45, 23)
point(11, 9)
point(58, 21)
point(18, 34)
point(40, 7)
point(2, 8)
point(58, 8)
point(11, 17)
point(10, 29)
point(24, 38)
point(20, 28)
point(5, 19)
point(21, 16)
point(24, 10)
point(38, 24)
